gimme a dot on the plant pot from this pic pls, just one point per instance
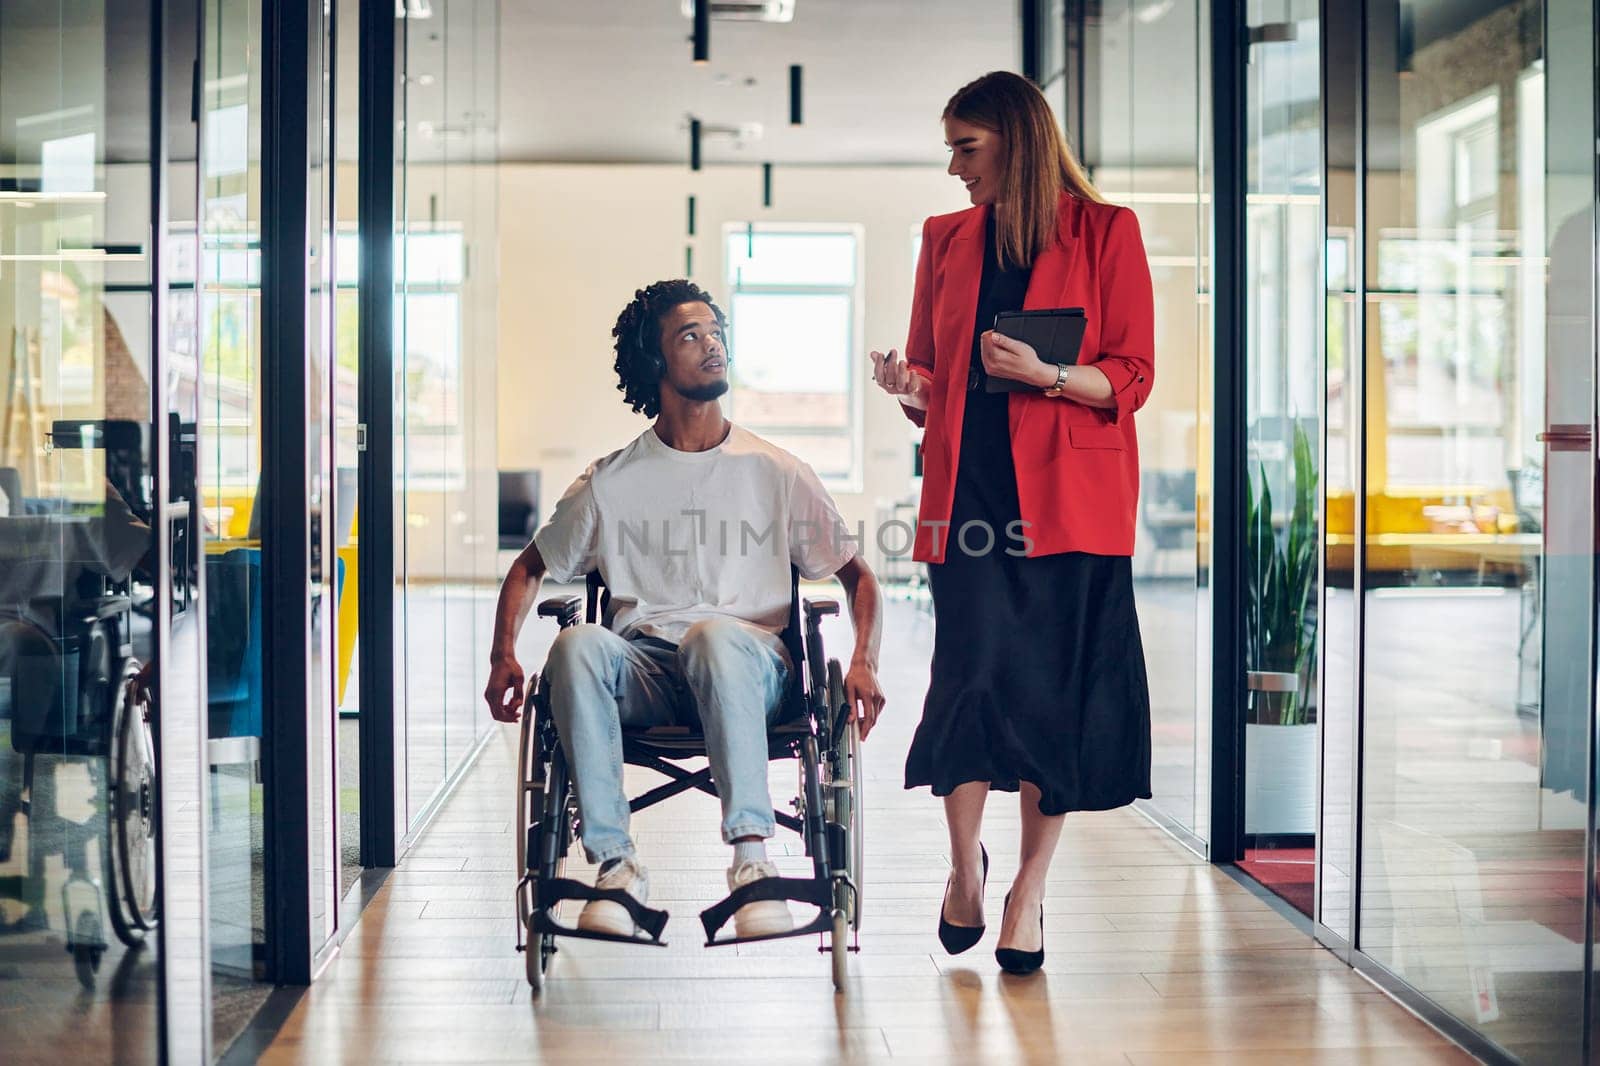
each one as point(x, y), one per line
point(1280, 779)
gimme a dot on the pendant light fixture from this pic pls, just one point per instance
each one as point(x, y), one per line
point(702, 32)
point(795, 77)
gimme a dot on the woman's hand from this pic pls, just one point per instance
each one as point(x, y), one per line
point(1006, 357)
point(895, 376)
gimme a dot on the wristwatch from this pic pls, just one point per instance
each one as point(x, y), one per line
point(1061, 381)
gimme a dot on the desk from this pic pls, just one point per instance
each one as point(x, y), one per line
point(1479, 552)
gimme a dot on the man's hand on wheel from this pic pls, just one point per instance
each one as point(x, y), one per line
point(504, 692)
point(863, 695)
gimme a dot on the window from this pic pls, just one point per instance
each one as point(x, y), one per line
point(1455, 365)
point(428, 324)
point(794, 314)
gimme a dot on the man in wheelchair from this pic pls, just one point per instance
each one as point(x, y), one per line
point(694, 527)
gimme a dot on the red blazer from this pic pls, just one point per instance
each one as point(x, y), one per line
point(1077, 467)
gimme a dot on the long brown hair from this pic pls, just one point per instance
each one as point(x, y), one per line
point(1039, 165)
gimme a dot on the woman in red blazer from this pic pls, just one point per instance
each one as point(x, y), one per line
point(1028, 502)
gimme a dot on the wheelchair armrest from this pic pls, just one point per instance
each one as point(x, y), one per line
point(815, 609)
point(103, 607)
point(566, 610)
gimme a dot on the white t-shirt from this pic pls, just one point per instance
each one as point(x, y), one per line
point(681, 537)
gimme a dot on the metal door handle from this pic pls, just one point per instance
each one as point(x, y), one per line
point(1567, 438)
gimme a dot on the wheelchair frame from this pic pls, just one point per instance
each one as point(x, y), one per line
point(816, 730)
point(115, 726)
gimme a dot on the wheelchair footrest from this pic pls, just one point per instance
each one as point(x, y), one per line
point(550, 893)
point(818, 892)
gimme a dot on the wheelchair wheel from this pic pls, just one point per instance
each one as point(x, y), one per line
point(536, 959)
point(87, 949)
point(847, 767)
point(529, 786)
point(858, 826)
point(131, 820)
point(534, 780)
point(540, 946)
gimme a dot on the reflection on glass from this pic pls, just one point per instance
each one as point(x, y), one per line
point(1283, 389)
point(343, 371)
point(1336, 830)
point(1050, 30)
point(229, 470)
point(323, 487)
point(1480, 517)
point(182, 717)
point(79, 846)
point(445, 337)
point(1141, 157)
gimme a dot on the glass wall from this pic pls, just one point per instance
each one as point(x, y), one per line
point(1478, 567)
point(445, 263)
point(1419, 287)
point(99, 730)
point(1146, 153)
point(138, 431)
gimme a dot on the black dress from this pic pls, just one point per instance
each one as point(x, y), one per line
point(1038, 670)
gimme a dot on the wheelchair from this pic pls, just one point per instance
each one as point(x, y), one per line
point(815, 730)
point(72, 694)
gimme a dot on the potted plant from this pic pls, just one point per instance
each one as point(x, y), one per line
point(1280, 646)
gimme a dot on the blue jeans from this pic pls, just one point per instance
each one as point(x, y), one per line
point(726, 678)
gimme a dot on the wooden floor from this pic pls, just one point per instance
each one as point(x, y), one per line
point(1153, 957)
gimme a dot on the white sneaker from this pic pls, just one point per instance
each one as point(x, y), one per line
point(763, 917)
point(607, 916)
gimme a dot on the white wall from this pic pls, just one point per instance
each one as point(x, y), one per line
point(577, 240)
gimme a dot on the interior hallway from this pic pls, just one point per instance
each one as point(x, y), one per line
point(1153, 956)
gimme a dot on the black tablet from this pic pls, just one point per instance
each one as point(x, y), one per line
point(1055, 334)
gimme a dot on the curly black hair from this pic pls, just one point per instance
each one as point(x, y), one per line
point(640, 363)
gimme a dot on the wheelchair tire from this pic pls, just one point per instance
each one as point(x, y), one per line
point(131, 817)
point(839, 942)
point(848, 760)
point(533, 779)
point(87, 949)
point(540, 946)
point(529, 790)
point(536, 960)
point(858, 825)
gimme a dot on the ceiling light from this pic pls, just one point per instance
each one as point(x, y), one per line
point(1153, 11)
point(745, 10)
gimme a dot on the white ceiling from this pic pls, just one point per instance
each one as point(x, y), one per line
point(611, 80)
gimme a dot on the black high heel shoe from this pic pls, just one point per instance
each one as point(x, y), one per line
point(1017, 962)
point(958, 938)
